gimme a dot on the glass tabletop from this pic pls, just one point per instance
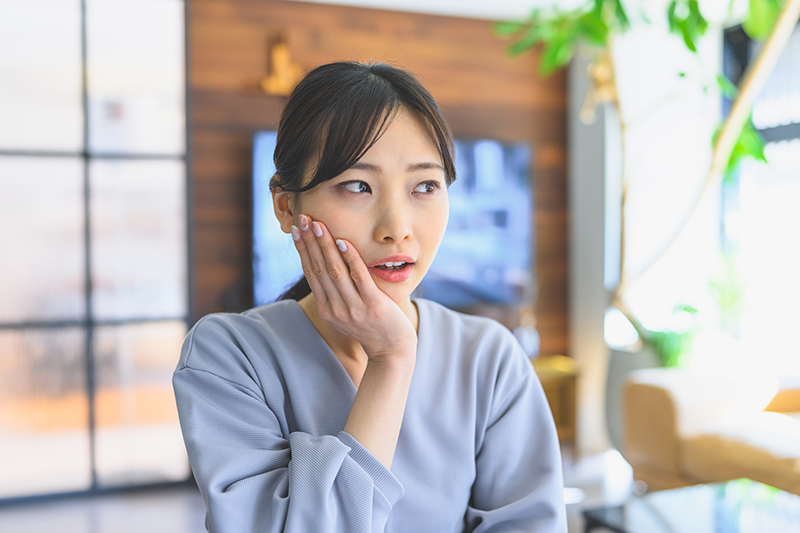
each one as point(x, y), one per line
point(740, 506)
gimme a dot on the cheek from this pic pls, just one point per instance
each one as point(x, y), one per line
point(436, 224)
point(342, 224)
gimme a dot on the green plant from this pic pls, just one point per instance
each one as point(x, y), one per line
point(672, 344)
point(594, 26)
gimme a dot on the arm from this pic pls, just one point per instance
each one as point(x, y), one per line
point(347, 297)
point(518, 485)
point(252, 476)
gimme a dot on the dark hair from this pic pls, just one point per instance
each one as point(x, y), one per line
point(335, 114)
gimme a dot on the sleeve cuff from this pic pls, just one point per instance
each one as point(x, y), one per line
point(384, 480)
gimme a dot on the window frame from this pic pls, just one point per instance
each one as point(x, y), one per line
point(90, 323)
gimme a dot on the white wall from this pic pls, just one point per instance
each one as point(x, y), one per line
point(670, 119)
point(480, 9)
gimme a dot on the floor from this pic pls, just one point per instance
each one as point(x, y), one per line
point(591, 481)
point(595, 481)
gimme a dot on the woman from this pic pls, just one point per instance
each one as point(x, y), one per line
point(347, 406)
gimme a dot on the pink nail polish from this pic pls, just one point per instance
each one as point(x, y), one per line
point(295, 233)
point(317, 229)
point(303, 222)
point(341, 245)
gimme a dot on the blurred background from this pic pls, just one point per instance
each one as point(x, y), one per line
point(133, 195)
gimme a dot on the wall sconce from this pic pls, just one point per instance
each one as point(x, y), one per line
point(283, 74)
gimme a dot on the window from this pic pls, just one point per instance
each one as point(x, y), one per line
point(761, 219)
point(93, 274)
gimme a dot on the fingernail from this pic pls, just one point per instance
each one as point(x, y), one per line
point(295, 233)
point(341, 245)
point(317, 229)
point(303, 222)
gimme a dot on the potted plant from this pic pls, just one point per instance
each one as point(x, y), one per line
point(592, 29)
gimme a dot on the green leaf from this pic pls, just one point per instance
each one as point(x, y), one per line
point(559, 32)
point(752, 142)
point(593, 29)
point(524, 44)
point(673, 21)
point(598, 8)
point(749, 144)
point(761, 18)
point(686, 19)
point(685, 308)
point(621, 16)
point(688, 38)
point(669, 345)
point(558, 52)
point(699, 22)
point(727, 88)
point(504, 29)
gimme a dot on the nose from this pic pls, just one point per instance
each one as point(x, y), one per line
point(393, 222)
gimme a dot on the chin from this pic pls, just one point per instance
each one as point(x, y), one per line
point(398, 294)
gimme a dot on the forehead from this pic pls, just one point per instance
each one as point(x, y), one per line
point(406, 132)
point(401, 128)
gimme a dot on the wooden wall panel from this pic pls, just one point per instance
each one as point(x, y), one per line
point(482, 93)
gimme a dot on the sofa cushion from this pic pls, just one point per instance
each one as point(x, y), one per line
point(762, 446)
point(700, 398)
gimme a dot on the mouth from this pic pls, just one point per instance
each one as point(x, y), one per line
point(392, 265)
point(393, 269)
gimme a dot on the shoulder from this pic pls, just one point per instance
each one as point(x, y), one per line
point(224, 341)
point(480, 345)
point(463, 329)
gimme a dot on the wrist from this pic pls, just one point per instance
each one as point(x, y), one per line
point(398, 362)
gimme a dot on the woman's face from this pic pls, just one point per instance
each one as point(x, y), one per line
point(391, 205)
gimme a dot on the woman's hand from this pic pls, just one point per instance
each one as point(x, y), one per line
point(348, 297)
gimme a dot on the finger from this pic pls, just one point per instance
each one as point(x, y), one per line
point(338, 270)
point(318, 265)
point(308, 271)
point(359, 272)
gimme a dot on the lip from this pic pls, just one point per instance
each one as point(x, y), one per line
point(393, 259)
point(393, 276)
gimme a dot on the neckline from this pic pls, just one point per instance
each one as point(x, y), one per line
point(325, 348)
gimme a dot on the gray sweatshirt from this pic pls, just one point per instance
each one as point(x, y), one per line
point(263, 402)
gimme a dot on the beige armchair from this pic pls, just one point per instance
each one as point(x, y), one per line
point(683, 429)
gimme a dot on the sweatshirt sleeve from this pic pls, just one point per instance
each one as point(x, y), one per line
point(518, 484)
point(253, 477)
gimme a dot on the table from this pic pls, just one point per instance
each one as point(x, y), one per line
point(558, 375)
point(740, 506)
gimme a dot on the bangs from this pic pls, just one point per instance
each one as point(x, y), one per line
point(351, 129)
point(339, 111)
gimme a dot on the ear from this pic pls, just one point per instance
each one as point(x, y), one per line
point(283, 203)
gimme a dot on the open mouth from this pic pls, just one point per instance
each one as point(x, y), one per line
point(393, 271)
point(389, 265)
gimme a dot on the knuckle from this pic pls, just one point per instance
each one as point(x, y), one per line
point(336, 273)
point(356, 315)
point(341, 314)
point(357, 276)
point(318, 267)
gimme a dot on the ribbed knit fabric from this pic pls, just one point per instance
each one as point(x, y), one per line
point(263, 402)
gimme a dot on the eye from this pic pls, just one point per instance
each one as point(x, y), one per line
point(355, 186)
point(427, 187)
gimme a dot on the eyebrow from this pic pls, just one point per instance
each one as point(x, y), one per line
point(411, 168)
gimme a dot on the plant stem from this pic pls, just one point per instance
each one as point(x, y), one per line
point(616, 296)
point(754, 80)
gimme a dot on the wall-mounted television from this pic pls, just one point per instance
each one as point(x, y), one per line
point(486, 255)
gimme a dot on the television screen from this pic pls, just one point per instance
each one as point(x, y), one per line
point(486, 255)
